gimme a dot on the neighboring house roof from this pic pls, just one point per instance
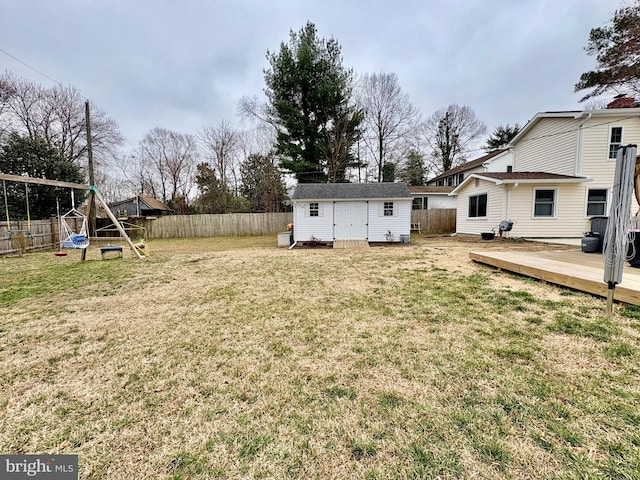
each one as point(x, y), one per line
point(430, 189)
point(574, 115)
point(153, 203)
point(346, 191)
point(478, 162)
point(150, 202)
point(521, 177)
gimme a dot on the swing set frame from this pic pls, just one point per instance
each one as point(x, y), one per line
point(94, 196)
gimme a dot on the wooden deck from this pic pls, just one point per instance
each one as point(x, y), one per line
point(573, 269)
point(350, 244)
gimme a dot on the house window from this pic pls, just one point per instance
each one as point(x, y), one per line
point(596, 201)
point(460, 178)
point(509, 168)
point(314, 209)
point(615, 142)
point(544, 204)
point(417, 203)
point(388, 209)
point(478, 206)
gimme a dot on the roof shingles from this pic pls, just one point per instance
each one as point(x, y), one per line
point(347, 191)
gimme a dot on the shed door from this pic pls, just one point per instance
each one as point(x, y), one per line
point(350, 221)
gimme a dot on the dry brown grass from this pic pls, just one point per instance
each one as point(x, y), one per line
point(231, 358)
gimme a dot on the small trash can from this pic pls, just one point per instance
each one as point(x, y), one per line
point(405, 238)
point(284, 239)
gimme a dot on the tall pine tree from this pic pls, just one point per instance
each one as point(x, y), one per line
point(616, 48)
point(309, 100)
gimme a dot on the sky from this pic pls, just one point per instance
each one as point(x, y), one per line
point(182, 65)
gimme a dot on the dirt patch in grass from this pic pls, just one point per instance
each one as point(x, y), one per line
point(231, 358)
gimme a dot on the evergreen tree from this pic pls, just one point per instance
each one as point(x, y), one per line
point(389, 172)
point(214, 197)
point(34, 157)
point(309, 101)
point(262, 184)
point(501, 137)
point(414, 171)
point(616, 47)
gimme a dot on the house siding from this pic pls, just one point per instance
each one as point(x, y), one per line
point(550, 146)
point(570, 219)
point(499, 163)
point(595, 136)
point(320, 227)
point(495, 208)
point(440, 201)
point(399, 224)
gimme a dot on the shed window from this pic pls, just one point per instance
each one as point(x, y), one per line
point(478, 206)
point(544, 203)
point(615, 142)
point(388, 209)
point(314, 209)
point(596, 201)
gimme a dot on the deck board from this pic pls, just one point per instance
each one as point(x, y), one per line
point(573, 269)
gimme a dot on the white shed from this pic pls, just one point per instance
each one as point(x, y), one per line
point(376, 212)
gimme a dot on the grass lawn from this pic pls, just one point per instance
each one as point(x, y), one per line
point(231, 358)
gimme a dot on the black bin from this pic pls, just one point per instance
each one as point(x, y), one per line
point(633, 250)
point(599, 229)
point(590, 244)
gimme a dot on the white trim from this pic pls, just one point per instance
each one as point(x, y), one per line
point(606, 202)
point(508, 181)
point(609, 142)
point(486, 215)
point(625, 112)
point(554, 205)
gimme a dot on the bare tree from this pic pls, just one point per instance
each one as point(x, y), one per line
point(7, 91)
point(221, 144)
point(450, 133)
point(170, 158)
point(57, 115)
point(390, 117)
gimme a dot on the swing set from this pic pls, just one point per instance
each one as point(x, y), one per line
point(68, 237)
point(10, 231)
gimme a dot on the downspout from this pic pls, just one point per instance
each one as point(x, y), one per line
point(576, 171)
point(513, 187)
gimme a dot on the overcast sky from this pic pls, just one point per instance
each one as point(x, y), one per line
point(183, 64)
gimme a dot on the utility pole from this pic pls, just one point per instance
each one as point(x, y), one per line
point(92, 181)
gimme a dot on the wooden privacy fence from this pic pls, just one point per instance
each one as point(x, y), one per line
point(436, 221)
point(41, 234)
point(45, 233)
point(228, 224)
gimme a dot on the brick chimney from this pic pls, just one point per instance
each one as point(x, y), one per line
point(622, 101)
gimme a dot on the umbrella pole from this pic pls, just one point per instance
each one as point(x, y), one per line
point(610, 292)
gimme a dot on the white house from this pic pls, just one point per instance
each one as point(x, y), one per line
point(376, 212)
point(562, 175)
point(500, 160)
point(428, 197)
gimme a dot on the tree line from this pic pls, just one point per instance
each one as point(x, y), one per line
point(319, 122)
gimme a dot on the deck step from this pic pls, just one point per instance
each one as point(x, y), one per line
point(350, 244)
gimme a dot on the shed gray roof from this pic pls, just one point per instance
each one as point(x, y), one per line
point(332, 191)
